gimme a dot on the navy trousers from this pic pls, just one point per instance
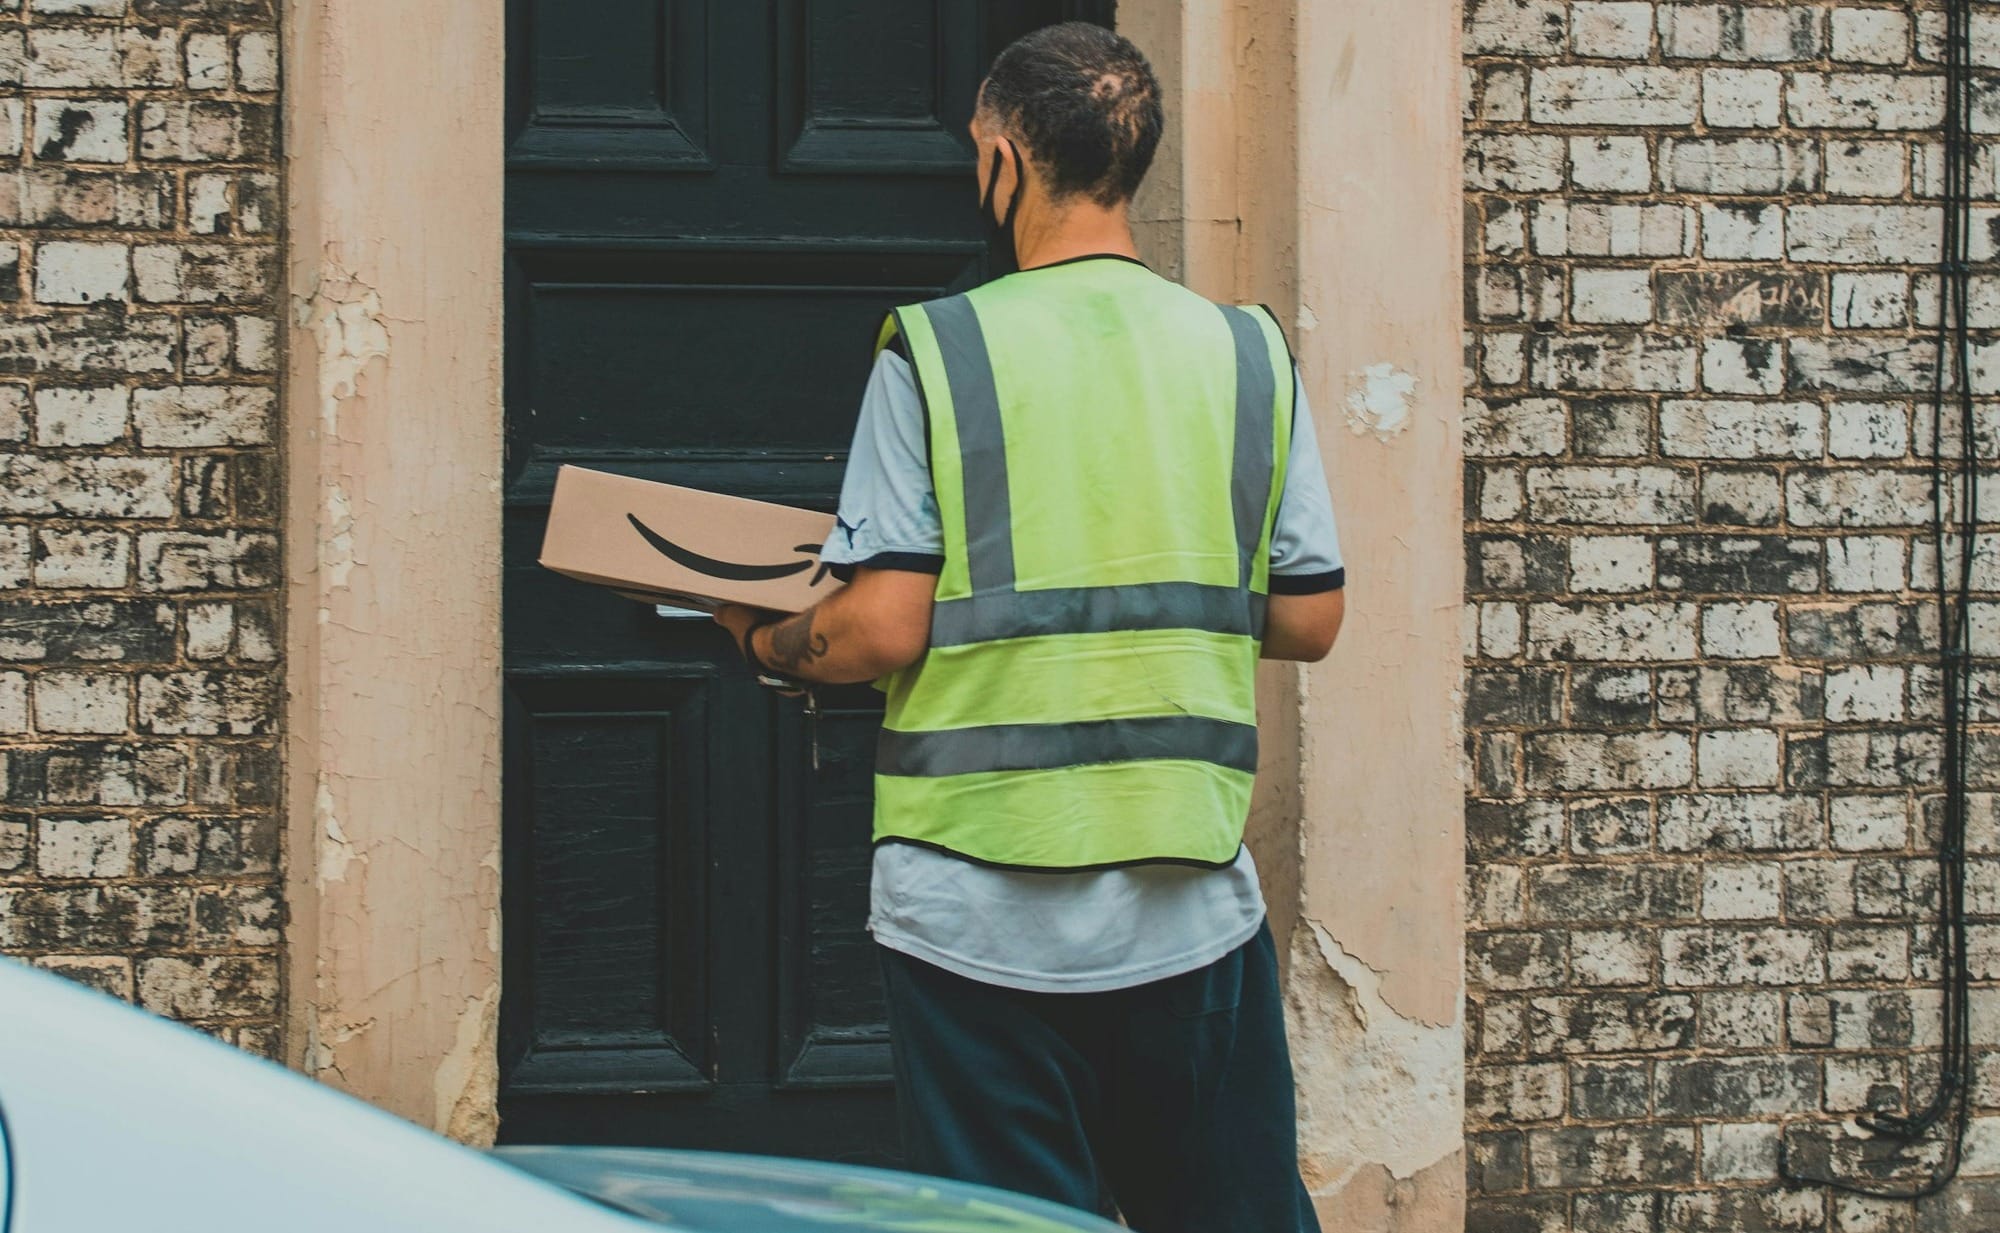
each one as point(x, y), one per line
point(1172, 1100)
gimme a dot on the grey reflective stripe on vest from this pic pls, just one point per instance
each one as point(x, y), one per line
point(1097, 610)
point(982, 447)
point(1252, 465)
point(1041, 747)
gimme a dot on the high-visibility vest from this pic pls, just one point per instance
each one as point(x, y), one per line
point(1108, 449)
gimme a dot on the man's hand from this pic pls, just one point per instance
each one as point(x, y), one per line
point(738, 618)
point(871, 627)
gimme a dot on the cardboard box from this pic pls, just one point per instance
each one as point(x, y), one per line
point(664, 544)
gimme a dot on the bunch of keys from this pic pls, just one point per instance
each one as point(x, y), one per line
point(791, 688)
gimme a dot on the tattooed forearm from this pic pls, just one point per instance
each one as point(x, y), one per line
point(794, 644)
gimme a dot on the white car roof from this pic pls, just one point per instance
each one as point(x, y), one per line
point(117, 1120)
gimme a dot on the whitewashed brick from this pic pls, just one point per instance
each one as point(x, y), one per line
point(1501, 495)
point(1740, 32)
point(83, 702)
point(1870, 301)
point(187, 416)
point(1611, 296)
point(1611, 632)
point(66, 57)
point(1864, 563)
point(1570, 94)
point(205, 703)
point(210, 630)
point(1864, 100)
point(1741, 98)
point(1737, 758)
point(1740, 630)
point(1863, 365)
point(1717, 428)
point(13, 413)
point(1857, 497)
point(1513, 162)
point(1863, 234)
point(80, 8)
point(1610, 563)
point(1743, 366)
point(1612, 496)
point(1738, 891)
point(1610, 164)
point(1871, 36)
point(1644, 362)
point(198, 560)
point(1504, 357)
point(16, 557)
point(1867, 168)
point(208, 66)
point(1500, 630)
point(68, 272)
point(83, 559)
point(1691, 31)
point(1612, 31)
point(204, 273)
point(81, 131)
point(1868, 430)
point(257, 61)
point(13, 127)
point(1739, 166)
point(87, 487)
point(149, 56)
point(1739, 1151)
point(84, 847)
point(256, 344)
point(13, 703)
point(1503, 93)
point(208, 204)
point(1590, 761)
point(1595, 230)
point(1742, 232)
point(1535, 27)
point(81, 416)
point(1610, 956)
point(1869, 823)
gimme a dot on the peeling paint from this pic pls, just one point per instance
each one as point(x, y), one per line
point(323, 1037)
point(336, 552)
point(1378, 401)
point(1375, 1087)
point(336, 850)
point(468, 1074)
point(345, 316)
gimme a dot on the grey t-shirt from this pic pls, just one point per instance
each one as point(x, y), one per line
point(1049, 932)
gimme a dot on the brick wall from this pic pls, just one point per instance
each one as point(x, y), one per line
point(1700, 716)
point(139, 292)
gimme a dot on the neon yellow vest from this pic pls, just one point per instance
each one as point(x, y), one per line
point(1107, 449)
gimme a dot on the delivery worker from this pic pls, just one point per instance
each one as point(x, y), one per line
point(1081, 502)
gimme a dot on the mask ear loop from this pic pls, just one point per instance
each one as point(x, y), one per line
point(993, 188)
point(1020, 190)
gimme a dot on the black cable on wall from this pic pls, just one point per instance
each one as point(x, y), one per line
point(1954, 521)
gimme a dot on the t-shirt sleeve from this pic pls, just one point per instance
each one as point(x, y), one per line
point(888, 516)
point(1305, 543)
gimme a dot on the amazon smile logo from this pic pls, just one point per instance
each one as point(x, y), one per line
point(731, 571)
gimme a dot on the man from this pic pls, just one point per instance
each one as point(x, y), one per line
point(1081, 501)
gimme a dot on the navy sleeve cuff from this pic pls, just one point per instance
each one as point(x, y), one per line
point(1308, 584)
point(909, 562)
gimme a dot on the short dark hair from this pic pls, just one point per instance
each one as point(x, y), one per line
point(1085, 102)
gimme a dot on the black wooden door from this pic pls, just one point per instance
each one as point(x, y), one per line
point(710, 204)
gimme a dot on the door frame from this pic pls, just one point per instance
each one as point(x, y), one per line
point(1321, 175)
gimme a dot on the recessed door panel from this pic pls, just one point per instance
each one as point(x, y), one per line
point(710, 206)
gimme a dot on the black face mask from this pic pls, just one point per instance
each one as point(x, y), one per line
point(1000, 238)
